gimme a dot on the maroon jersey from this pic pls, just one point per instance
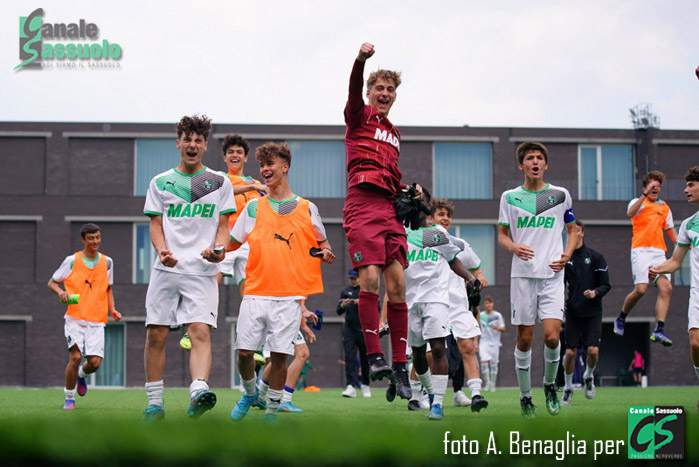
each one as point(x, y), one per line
point(371, 141)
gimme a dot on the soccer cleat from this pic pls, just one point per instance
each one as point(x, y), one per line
point(527, 407)
point(589, 388)
point(425, 400)
point(435, 412)
point(242, 407)
point(70, 404)
point(201, 402)
point(400, 378)
point(82, 386)
point(552, 403)
point(153, 413)
point(349, 391)
point(366, 390)
point(288, 407)
point(378, 368)
point(461, 399)
point(478, 403)
point(186, 342)
point(391, 392)
point(659, 336)
point(260, 403)
point(568, 397)
point(619, 326)
point(415, 405)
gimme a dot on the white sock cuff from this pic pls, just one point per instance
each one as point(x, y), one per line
point(81, 372)
point(552, 355)
point(523, 359)
point(249, 386)
point(196, 386)
point(155, 384)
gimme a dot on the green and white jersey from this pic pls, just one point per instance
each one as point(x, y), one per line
point(458, 296)
point(430, 250)
point(488, 334)
point(689, 236)
point(191, 206)
point(536, 219)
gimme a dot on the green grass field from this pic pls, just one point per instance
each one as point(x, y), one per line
point(105, 428)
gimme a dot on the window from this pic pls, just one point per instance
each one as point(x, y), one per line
point(144, 254)
point(463, 170)
point(605, 172)
point(112, 370)
point(318, 168)
point(153, 156)
point(482, 240)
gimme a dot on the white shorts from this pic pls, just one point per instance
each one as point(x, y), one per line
point(272, 319)
point(530, 298)
point(427, 321)
point(88, 336)
point(489, 352)
point(463, 323)
point(298, 341)
point(693, 312)
point(642, 259)
point(176, 299)
point(233, 265)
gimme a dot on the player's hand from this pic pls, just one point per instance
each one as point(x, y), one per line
point(697, 72)
point(116, 316)
point(308, 332)
point(211, 255)
point(522, 251)
point(261, 188)
point(560, 263)
point(166, 258)
point(308, 315)
point(484, 282)
point(653, 274)
point(63, 296)
point(328, 255)
point(590, 294)
point(346, 302)
point(653, 186)
point(365, 52)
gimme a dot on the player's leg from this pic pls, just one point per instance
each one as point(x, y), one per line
point(485, 371)
point(552, 356)
point(364, 363)
point(369, 281)
point(456, 372)
point(277, 377)
point(251, 331)
point(493, 367)
point(92, 364)
point(397, 317)
point(662, 305)
point(301, 355)
point(639, 271)
point(467, 347)
point(694, 348)
point(71, 376)
point(201, 398)
point(440, 376)
point(154, 362)
point(568, 368)
point(523, 315)
point(350, 348)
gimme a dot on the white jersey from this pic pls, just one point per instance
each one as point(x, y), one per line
point(689, 236)
point(66, 267)
point(536, 219)
point(458, 296)
point(430, 250)
point(190, 206)
point(488, 334)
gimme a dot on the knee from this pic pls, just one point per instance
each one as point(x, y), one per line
point(369, 279)
point(245, 355)
point(75, 358)
point(641, 289)
point(524, 342)
point(302, 353)
point(467, 346)
point(570, 353)
point(664, 286)
point(94, 362)
point(438, 349)
point(593, 352)
point(551, 340)
point(396, 291)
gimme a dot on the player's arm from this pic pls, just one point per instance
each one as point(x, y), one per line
point(571, 242)
point(116, 316)
point(222, 240)
point(458, 267)
point(478, 274)
point(670, 265)
point(520, 250)
point(343, 303)
point(672, 233)
point(157, 238)
point(240, 189)
point(55, 288)
point(602, 273)
point(354, 110)
point(326, 249)
point(635, 205)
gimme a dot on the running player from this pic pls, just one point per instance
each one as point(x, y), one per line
point(687, 239)
point(492, 327)
point(188, 208)
point(531, 221)
point(587, 278)
point(649, 217)
point(463, 324)
point(89, 274)
point(287, 242)
point(431, 255)
point(377, 241)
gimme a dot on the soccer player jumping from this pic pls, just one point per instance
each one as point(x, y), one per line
point(377, 240)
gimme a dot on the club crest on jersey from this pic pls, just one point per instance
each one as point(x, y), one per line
point(384, 135)
point(437, 237)
point(588, 261)
point(357, 257)
point(208, 185)
point(551, 200)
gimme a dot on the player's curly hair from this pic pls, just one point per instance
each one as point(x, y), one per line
point(441, 203)
point(692, 174)
point(385, 74)
point(527, 146)
point(654, 175)
point(235, 140)
point(194, 124)
point(267, 151)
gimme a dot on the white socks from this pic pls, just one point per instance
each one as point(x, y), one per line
point(154, 391)
point(551, 359)
point(523, 361)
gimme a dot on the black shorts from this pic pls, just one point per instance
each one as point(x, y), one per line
point(582, 333)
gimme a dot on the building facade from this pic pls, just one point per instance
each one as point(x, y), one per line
point(61, 175)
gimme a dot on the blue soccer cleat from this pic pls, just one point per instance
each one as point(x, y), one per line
point(288, 407)
point(69, 405)
point(153, 413)
point(82, 386)
point(619, 326)
point(242, 407)
point(661, 338)
point(435, 412)
point(201, 402)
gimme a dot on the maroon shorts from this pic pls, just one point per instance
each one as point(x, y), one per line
point(374, 234)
